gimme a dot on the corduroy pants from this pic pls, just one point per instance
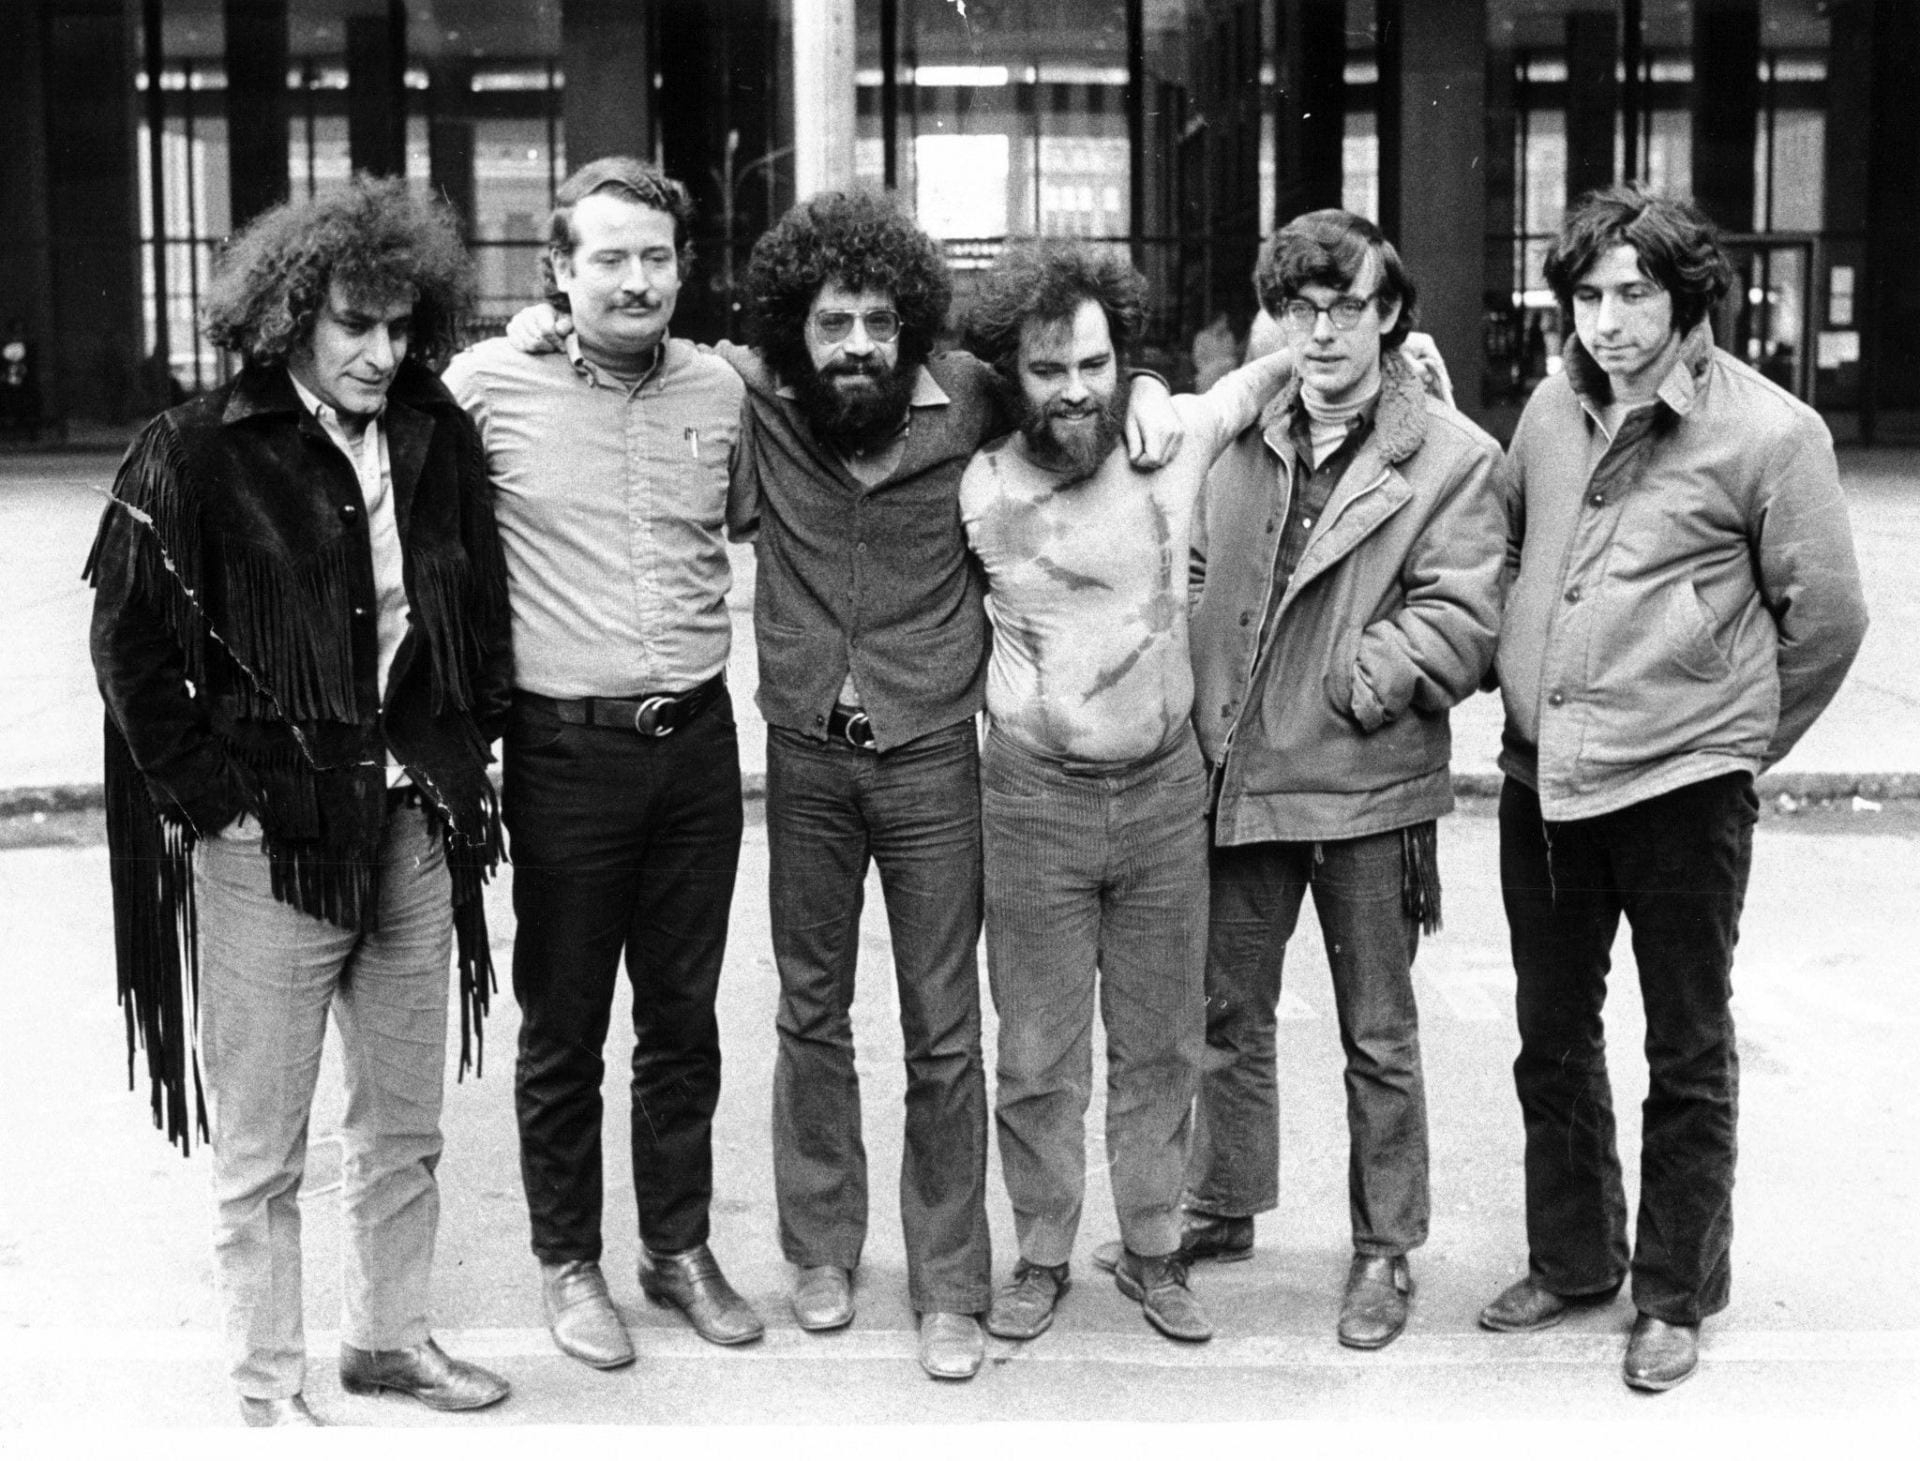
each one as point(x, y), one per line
point(269, 976)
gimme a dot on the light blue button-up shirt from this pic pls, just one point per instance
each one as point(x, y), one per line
point(611, 499)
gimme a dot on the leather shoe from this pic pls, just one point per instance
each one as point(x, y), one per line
point(693, 1283)
point(1202, 1236)
point(1024, 1308)
point(822, 1297)
point(581, 1316)
point(1374, 1308)
point(262, 1411)
point(951, 1345)
point(1159, 1286)
point(426, 1372)
point(1524, 1307)
point(1660, 1355)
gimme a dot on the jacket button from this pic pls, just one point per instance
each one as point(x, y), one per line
point(346, 510)
point(1573, 595)
point(359, 611)
point(819, 720)
point(1226, 712)
point(1245, 619)
point(1599, 499)
point(1556, 698)
point(859, 547)
point(1269, 524)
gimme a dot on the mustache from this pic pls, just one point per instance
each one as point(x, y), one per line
point(645, 299)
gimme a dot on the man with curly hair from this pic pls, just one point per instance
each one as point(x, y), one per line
point(1095, 794)
point(622, 786)
point(301, 637)
point(1684, 605)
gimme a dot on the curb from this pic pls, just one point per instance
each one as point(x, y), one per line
point(1800, 786)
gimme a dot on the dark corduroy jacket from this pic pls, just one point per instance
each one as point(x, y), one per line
point(235, 642)
point(878, 577)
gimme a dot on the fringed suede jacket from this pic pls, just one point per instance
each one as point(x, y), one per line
point(235, 643)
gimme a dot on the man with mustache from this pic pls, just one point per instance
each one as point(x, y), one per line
point(622, 779)
point(1350, 551)
point(1095, 794)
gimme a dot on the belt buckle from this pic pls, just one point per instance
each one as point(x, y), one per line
point(646, 716)
point(858, 731)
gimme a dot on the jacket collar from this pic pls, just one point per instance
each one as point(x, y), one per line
point(267, 390)
point(1678, 390)
point(1399, 419)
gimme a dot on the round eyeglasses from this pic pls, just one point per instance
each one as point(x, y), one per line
point(834, 325)
point(1345, 312)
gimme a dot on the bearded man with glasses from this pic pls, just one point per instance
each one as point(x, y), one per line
point(1348, 556)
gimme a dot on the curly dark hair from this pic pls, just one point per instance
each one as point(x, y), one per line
point(1329, 248)
point(625, 177)
point(380, 241)
point(1678, 245)
point(855, 241)
point(1044, 280)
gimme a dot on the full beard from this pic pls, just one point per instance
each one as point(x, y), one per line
point(859, 420)
point(1075, 452)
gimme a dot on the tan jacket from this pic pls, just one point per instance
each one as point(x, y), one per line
point(1335, 724)
point(1686, 600)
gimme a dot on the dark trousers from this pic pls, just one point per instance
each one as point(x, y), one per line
point(1371, 940)
point(1096, 886)
point(1676, 865)
point(914, 811)
point(621, 843)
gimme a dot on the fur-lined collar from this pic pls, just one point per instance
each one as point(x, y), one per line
point(1399, 418)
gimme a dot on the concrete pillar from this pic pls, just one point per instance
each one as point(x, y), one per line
point(377, 91)
point(1593, 99)
point(1725, 104)
point(1441, 183)
point(256, 62)
point(450, 135)
point(1389, 28)
point(26, 260)
point(823, 95)
point(93, 212)
point(1892, 300)
point(1309, 119)
point(606, 51)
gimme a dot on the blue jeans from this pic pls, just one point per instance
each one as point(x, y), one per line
point(1371, 942)
point(622, 844)
point(1096, 874)
point(915, 811)
point(1676, 865)
point(269, 976)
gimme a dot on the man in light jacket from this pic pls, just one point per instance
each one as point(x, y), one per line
point(1684, 604)
point(1349, 552)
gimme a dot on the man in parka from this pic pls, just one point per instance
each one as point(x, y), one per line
point(1685, 604)
point(1347, 563)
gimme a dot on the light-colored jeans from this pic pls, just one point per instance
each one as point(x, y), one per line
point(1096, 879)
point(268, 976)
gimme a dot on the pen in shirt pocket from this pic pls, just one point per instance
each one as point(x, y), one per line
point(693, 442)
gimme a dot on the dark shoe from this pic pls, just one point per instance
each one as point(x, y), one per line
point(1202, 1236)
point(581, 1316)
point(951, 1346)
point(1524, 1307)
point(1374, 1309)
point(426, 1372)
point(1024, 1308)
point(822, 1297)
point(1159, 1286)
point(1660, 1355)
point(693, 1283)
point(276, 1410)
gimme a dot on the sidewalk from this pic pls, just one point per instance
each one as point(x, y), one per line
point(1867, 744)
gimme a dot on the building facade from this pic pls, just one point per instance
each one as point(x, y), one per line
point(138, 133)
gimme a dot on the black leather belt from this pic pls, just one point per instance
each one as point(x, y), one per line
point(650, 715)
point(849, 723)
